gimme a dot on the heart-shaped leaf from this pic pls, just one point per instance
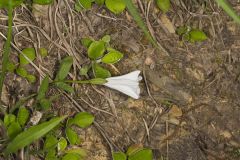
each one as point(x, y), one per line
point(100, 72)
point(79, 151)
point(31, 78)
point(106, 39)
point(112, 57)
point(164, 5)
point(83, 119)
point(115, 6)
point(43, 52)
point(71, 156)
point(62, 144)
point(144, 154)
point(29, 53)
point(43, 88)
point(72, 136)
point(64, 69)
point(22, 72)
point(23, 115)
point(99, 2)
point(45, 103)
point(50, 142)
point(119, 156)
point(83, 4)
point(86, 42)
point(13, 130)
point(8, 119)
point(197, 35)
point(96, 49)
point(11, 66)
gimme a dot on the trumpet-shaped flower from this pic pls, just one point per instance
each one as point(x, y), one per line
point(127, 84)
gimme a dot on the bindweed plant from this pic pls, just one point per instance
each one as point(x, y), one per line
point(115, 6)
point(187, 33)
point(100, 52)
point(21, 128)
point(134, 152)
point(66, 146)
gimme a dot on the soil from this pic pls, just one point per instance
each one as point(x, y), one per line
point(189, 107)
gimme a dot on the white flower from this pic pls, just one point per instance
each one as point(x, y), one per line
point(127, 84)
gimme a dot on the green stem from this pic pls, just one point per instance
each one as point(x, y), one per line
point(97, 81)
point(78, 81)
point(6, 51)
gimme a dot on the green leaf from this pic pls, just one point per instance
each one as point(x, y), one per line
point(86, 42)
point(64, 69)
point(62, 144)
point(31, 78)
point(181, 30)
point(119, 156)
point(65, 87)
point(96, 49)
point(72, 136)
point(43, 2)
point(51, 155)
point(11, 67)
point(79, 151)
point(13, 130)
point(100, 72)
point(23, 115)
point(164, 5)
point(50, 142)
point(22, 72)
point(84, 70)
point(71, 156)
point(31, 134)
point(8, 119)
point(145, 154)
point(86, 4)
point(7, 3)
point(70, 122)
point(83, 119)
point(43, 52)
point(106, 39)
point(99, 2)
point(133, 149)
point(112, 57)
point(197, 35)
point(77, 7)
point(115, 6)
point(45, 103)
point(29, 53)
point(43, 88)
point(229, 10)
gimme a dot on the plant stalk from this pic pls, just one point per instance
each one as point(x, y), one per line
point(6, 51)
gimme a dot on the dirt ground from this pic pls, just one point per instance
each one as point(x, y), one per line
point(189, 107)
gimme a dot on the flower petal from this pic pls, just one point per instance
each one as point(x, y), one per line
point(130, 76)
point(122, 82)
point(132, 90)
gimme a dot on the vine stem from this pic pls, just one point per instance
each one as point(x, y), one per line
point(98, 81)
point(6, 51)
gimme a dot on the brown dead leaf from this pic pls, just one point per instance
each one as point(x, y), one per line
point(175, 111)
point(167, 23)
